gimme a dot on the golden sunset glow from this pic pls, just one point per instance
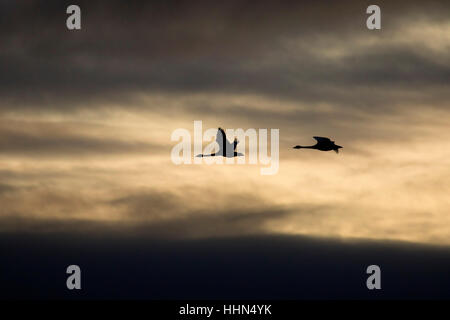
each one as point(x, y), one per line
point(85, 127)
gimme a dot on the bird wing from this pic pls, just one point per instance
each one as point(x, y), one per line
point(221, 138)
point(322, 139)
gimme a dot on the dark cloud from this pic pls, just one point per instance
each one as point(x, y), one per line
point(254, 267)
point(225, 222)
point(151, 204)
point(160, 224)
point(188, 47)
point(4, 188)
point(27, 202)
point(163, 214)
point(47, 139)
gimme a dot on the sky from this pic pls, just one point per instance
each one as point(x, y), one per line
point(86, 118)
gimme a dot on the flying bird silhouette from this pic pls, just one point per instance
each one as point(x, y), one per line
point(323, 144)
point(226, 148)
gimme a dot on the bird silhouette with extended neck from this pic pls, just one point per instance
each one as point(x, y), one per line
point(226, 148)
point(323, 144)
